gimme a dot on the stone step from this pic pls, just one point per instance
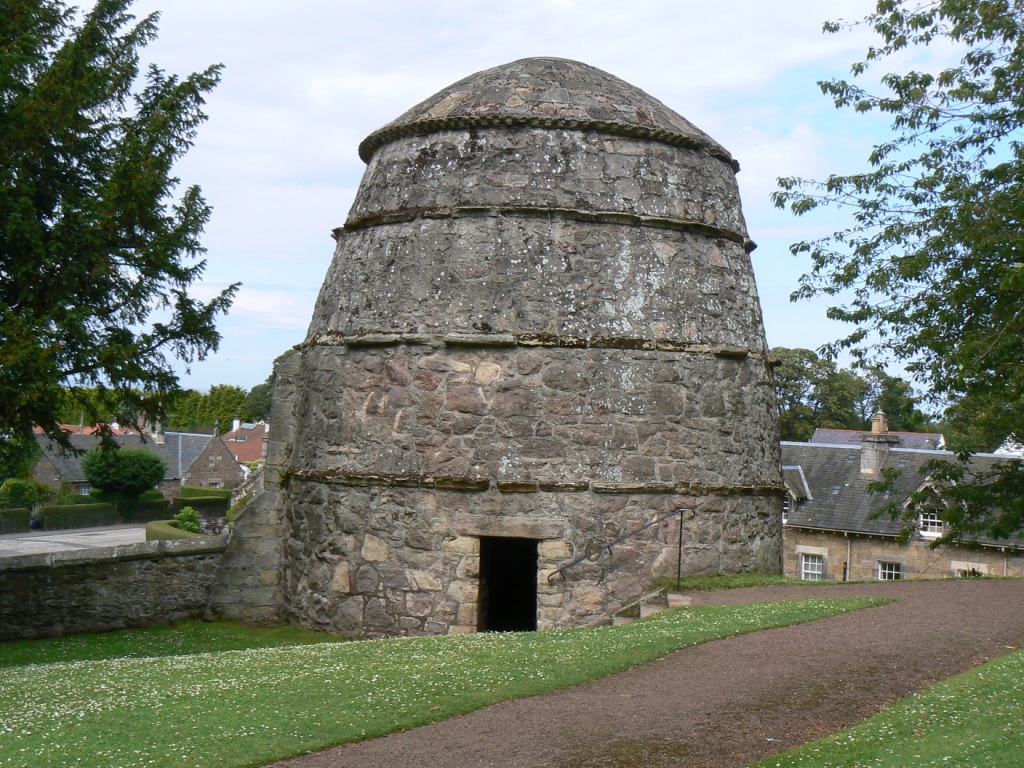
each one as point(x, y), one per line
point(648, 605)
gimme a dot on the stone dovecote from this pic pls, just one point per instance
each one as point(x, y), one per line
point(540, 331)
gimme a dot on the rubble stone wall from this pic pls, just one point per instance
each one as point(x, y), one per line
point(98, 590)
point(388, 560)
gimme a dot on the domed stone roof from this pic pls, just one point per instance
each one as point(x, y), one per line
point(546, 93)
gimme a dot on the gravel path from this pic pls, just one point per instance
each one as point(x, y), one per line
point(733, 701)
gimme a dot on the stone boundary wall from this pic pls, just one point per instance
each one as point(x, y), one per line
point(97, 590)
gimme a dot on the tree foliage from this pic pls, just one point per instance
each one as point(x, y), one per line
point(933, 261)
point(18, 454)
point(812, 392)
point(196, 411)
point(99, 245)
point(123, 471)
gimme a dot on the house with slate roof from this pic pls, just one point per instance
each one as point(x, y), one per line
point(179, 450)
point(915, 440)
point(829, 531)
point(226, 461)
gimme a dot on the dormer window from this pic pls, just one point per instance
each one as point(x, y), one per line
point(930, 524)
point(787, 504)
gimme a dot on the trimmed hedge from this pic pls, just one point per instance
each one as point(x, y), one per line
point(15, 520)
point(159, 530)
point(206, 506)
point(148, 511)
point(64, 516)
point(194, 491)
point(73, 499)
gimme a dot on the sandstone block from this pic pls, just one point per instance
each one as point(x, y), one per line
point(374, 549)
point(424, 581)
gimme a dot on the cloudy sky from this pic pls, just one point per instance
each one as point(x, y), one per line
point(305, 81)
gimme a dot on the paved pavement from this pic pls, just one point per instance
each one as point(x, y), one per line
point(36, 543)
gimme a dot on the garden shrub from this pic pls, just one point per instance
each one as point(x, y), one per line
point(188, 520)
point(19, 492)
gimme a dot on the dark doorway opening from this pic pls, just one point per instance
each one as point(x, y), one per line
point(508, 585)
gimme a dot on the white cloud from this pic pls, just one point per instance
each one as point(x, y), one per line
point(305, 82)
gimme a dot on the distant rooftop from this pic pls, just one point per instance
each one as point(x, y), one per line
point(915, 440)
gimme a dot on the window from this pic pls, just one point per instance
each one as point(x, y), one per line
point(787, 504)
point(890, 571)
point(812, 567)
point(931, 524)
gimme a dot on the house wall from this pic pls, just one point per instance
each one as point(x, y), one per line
point(44, 472)
point(215, 467)
point(918, 560)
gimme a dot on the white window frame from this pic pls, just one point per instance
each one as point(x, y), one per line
point(812, 566)
point(890, 570)
point(930, 524)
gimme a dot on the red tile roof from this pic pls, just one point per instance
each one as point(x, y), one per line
point(246, 443)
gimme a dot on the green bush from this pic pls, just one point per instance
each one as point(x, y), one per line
point(15, 520)
point(188, 520)
point(161, 530)
point(153, 494)
point(19, 492)
point(61, 517)
point(125, 471)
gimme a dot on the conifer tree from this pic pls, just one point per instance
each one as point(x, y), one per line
point(99, 242)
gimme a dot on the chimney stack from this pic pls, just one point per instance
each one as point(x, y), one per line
point(875, 445)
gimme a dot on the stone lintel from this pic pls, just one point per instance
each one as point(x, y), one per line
point(511, 527)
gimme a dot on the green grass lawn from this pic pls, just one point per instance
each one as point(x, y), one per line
point(181, 639)
point(975, 719)
point(147, 706)
point(733, 581)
